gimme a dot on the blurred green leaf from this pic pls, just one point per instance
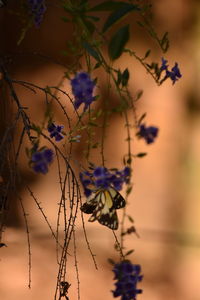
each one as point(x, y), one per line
point(90, 27)
point(91, 51)
point(141, 118)
point(118, 42)
point(118, 14)
point(111, 261)
point(141, 154)
point(125, 77)
point(129, 189)
point(129, 252)
point(165, 42)
point(130, 218)
point(147, 54)
point(139, 95)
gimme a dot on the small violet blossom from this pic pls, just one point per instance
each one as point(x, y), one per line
point(55, 131)
point(37, 10)
point(164, 65)
point(127, 276)
point(148, 133)
point(82, 89)
point(41, 159)
point(102, 178)
point(174, 74)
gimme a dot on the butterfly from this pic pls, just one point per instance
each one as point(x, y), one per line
point(103, 204)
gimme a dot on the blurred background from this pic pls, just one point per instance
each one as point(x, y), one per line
point(164, 202)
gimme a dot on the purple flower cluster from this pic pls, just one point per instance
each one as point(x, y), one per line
point(55, 131)
point(174, 74)
point(82, 88)
point(127, 276)
point(41, 159)
point(37, 9)
point(102, 178)
point(148, 133)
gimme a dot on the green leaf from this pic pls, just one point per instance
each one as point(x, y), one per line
point(165, 42)
point(111, 261)
point(125, 77)
point(141, 118)
point(147, 54)
point(164, 38)
point(98, 64)
point(139, 95)
point(90, 27)
point(118, 14)
point(129, 252)
point(141, 154)
point(129, 189)
point(130, 218)
point(118, 42)
point(107, 6)
point(91, 51)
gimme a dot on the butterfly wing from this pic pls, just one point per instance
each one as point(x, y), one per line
point(89, 206)
point(102, 206)
point(104, 211)
point(118, 200)
point(109, 219)
point(99, 204)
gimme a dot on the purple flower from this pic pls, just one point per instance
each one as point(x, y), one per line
point(82, 88)
point(127, 276)
point(148, 133)
point(85, 178)
point(174, 74)
point(123, 176)
point(164, 65)
point(102, 178)
point(37, 10)
point(41, 159)
point(55, 131)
